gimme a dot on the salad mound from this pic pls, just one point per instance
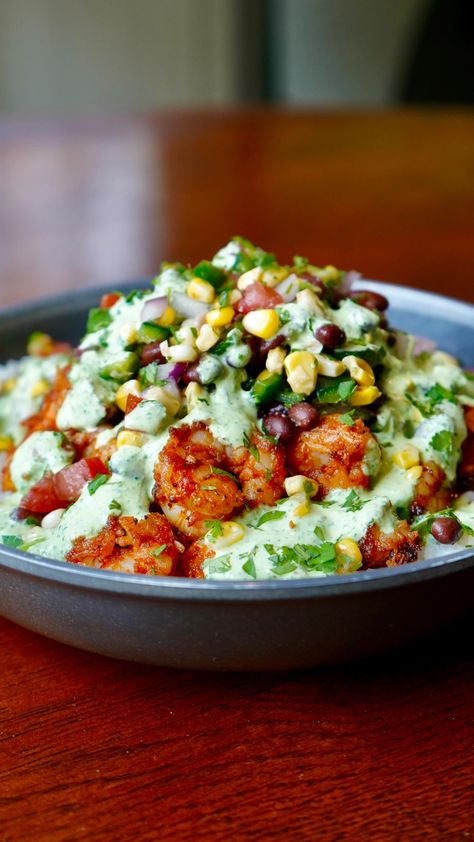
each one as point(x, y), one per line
point(239, 420)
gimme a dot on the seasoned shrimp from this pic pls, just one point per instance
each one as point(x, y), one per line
point(45, 418)
point(334, 454)
point(430, 494)
point(190, 487)
point(193, 559)
point(260, 469)
point(129, 545)
point(389, 550)
point(85, 444)
point(466, 467)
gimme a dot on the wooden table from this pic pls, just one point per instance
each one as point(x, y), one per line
point(98, 749)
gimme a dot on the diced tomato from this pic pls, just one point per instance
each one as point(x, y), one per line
point(109, 299)
point(132, 402)
point(258, 297)
point(42, 497)
point(70, 481)
point(57, 490)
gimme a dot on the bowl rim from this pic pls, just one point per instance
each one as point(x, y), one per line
point(64, 573)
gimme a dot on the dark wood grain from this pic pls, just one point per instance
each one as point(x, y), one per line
point(92, 748)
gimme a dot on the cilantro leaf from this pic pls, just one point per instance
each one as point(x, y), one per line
point(438, 393)
point(249, 568)
point(97, 319)
point(159, 550)
point(221, 472)
point(353, 503)
point(214, 527)
point(267, 516)
point(95, 483)
point(219, 564)
point(11, 541)
point(347, 418)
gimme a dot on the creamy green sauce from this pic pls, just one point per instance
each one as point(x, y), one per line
point(20, 402)
point(228, 409)
point(39, 454)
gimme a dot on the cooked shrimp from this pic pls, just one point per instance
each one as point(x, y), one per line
point(45, 418)
point(193, 559)
point(189, 486)
point(389, 550)
point(129, 545)
point(85, 444)
point(334, 454)
point(260, 469)
point(430, 494)
point(466, 467)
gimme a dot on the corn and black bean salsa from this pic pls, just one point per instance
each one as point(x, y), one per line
point(239, 420)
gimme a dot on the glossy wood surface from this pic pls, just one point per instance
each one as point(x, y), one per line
point(92, 748)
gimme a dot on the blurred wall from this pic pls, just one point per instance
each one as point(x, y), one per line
point(81, 55)
point(341, 51)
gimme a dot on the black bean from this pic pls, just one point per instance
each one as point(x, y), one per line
point(151, 354)
point(446, 530)
point(278, 425)
point(304, 415)
point(371, 300)
point(331, 336)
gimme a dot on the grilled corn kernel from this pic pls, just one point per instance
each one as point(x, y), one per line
point(302, 507)
point(443, 358)
point(171, 403)
point(415, 472)
point(7, 385)
point(40, 388)
point(329, 273)
point(261, 323)
point(167, 318)
point(207, 338)
point(351, 555)
point(359, 370)
point(275, 360)
point(231, 533)
point(182, 353)
point(201, 290)
point(221, 317)
point(131, 387)
point(130, 438)
point(300, 484)
point(128, 334)
point(407, 458)
point(39, 344)
point(187, 334)
point(365, 396)
point(273, 277)
point(234, 296)
point(192, 393)
point(5, 443)
point(301, 371)
point(328, 367)
point(310, 301)
point(249, 278)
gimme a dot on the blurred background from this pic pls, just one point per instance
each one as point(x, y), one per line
point(77, 56)
point(133, 131)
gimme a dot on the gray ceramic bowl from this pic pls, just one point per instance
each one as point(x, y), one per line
point(238, 625)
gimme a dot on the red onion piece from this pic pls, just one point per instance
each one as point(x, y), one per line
point(422, 344)
point(154, 308)
point(186, 306)
point(177, 371)
point(348, 280)
point(288, 288)
point(164, 370)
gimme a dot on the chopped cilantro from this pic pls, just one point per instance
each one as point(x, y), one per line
point(320, 558)
point(408, 429)
point(159, 550)
point(251, 448)
point(353, 503)
point(135, 293)
point(214, 527)
point(249, 568)
point(267, 516)
point(95, 483)
point(335, 389)
point(11, 541)
point(438, 393)
point(221, 472)
point(98, 319)
point(300, 263)
point(347, 418)
point(115, 506)
point(221, 564)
